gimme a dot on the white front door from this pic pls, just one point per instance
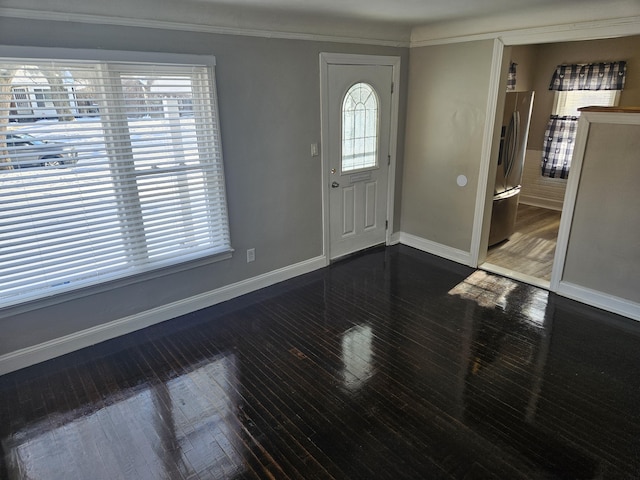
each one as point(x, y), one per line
point(358, 113)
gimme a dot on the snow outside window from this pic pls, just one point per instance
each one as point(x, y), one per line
point(106, 170)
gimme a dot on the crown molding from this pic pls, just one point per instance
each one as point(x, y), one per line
point(193, 27)
point(576, 31)
point(591, 30)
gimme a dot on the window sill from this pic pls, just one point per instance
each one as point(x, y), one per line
point(109, 285)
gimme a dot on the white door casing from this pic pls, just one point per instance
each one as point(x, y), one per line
point(358, 200)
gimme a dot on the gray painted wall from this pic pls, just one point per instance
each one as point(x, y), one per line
point(603, 253)
point(269, 100)
point(446, 114)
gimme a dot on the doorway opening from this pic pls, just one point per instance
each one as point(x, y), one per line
point(524, 228)
point(527, 252)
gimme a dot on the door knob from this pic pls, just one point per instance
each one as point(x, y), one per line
point(335, 185)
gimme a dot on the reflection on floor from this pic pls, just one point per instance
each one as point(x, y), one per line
point(531, 248)
point(392, 364)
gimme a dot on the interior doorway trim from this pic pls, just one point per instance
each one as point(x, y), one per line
point(583, 31)
point(482, 215)
point(327, 59)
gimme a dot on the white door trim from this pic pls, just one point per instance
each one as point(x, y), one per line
point(327, 59)
point(571, 196)
point(482, 215)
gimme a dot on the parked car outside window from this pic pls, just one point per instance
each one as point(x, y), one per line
point(27, 151)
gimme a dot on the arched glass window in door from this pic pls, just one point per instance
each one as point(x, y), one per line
point(359, 128)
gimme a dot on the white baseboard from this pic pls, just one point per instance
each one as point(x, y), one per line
point(597, 299)
point(541, 202)
point(434, 248)
point(394, 239)
point(60, 346)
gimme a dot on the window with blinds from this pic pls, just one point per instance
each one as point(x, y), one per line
point(107, 170)
point(567, 103)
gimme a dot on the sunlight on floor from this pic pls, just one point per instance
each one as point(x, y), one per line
point(492, 291)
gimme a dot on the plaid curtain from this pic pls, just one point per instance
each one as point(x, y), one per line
point(557, 148)
point(592, 76)
point(561, 131)
point(511, 78)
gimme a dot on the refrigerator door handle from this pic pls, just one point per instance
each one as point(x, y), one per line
point(501, 152)
point(508, 138)
point(511, 142)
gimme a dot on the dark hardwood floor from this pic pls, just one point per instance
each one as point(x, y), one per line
point(531, 247)
point(393, 364)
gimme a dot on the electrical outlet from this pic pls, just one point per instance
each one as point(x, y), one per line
point(251, 255)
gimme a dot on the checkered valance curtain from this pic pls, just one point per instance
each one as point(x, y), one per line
point(592, 76)
point(560, 134)
point(511, 78)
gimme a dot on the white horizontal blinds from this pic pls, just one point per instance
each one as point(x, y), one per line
point(120, 172)
point(568, 102)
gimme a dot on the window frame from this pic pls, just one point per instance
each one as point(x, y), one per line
point(135, 58)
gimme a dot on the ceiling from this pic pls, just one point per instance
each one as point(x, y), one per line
point(407, 12)
point(374, 21)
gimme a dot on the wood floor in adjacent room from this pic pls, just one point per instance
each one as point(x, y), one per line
point(388, 365)
point(531, 247)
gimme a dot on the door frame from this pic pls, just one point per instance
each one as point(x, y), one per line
point(327, 59)
point(486, 177)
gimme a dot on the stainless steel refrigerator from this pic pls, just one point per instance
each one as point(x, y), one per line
point(513, 146)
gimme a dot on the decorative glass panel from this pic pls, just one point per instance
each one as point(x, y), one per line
point(359, 128)
point(511, 78)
